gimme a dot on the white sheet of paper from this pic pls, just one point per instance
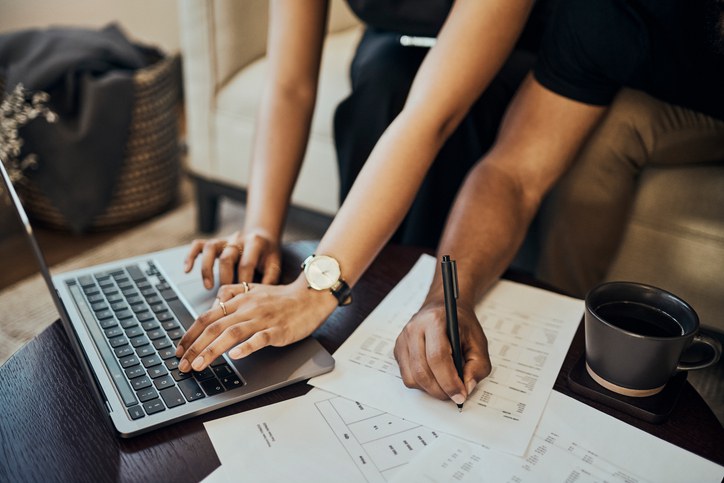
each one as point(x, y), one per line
point(316, 437)
point(529, 331)
point(573, 442)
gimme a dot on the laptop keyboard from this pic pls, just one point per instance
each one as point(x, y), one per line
point(136, 320)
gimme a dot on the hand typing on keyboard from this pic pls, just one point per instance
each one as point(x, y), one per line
point(265, 315)
point(242, 253)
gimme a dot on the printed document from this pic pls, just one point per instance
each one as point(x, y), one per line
point(573, 442)
point(529, 331)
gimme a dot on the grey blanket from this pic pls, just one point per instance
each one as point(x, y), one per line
point(89, 77)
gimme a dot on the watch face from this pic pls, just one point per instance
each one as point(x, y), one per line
point(322, 272)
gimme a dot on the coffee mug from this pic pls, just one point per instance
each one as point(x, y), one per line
point(636, 335)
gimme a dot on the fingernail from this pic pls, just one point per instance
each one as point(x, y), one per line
point(180, 350)
point(470, 386)
point(235, 353)
point(458, 399)
point(198, 363)
point(207, 283)
point(186, 267)
point(184, 366)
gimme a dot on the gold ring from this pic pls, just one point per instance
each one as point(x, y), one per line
point(246, 287)
point(235, 245)
point(223, 307)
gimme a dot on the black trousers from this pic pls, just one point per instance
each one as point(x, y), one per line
point(382, 72)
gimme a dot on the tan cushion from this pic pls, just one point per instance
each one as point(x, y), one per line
point(675, 238)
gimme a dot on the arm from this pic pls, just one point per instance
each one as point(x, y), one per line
point(540, 135)
point(294, 49)
point(452, 77)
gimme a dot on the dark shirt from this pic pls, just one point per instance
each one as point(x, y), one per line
point(592, 48)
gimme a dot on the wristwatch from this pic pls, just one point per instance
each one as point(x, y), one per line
point(323, 273)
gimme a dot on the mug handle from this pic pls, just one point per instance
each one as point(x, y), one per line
point(702, 339)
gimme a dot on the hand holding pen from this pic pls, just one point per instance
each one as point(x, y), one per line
point(423, 349)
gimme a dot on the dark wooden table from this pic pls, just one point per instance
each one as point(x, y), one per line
point(51, 428)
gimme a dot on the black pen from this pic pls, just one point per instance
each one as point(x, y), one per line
point(450, 291)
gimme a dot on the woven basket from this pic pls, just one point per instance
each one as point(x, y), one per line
point(149, 177)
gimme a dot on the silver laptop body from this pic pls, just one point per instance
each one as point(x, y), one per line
point(98, 317)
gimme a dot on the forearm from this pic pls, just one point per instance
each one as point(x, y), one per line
point(280, 141)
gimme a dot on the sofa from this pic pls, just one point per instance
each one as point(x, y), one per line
point(675, 237)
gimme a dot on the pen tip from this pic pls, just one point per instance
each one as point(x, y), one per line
point(460, 408)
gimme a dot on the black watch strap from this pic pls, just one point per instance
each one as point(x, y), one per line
point(343, 292)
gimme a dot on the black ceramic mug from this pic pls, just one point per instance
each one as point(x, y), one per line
point(636, 335)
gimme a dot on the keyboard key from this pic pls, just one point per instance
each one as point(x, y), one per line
point(104, 314)
point(100, 276)
point(232, 381)
point(135, 300)
point(155, 334)
point(98, 306)
point(135, 412)
point(144, 316)
point(148, 291)
point(86, 280)
point(116, 297)
point(150, 325)
point(117, 274)
point(172, 363)
point(143, 285)
point(212, 386)
point(135, 371)
point(191, 390)
point(107, 284)
point(123, 351)
point(128, 361)
point(128, 323)
point(154, 406)
point(110, 291)
point(218, 361)
point(135, 272)
point(167, 352)
point(161, 343)
point(129, 292)
point(97, 297)
point(134, 331)
point(180, 376)
point(175, 334)
point(125, 284)
point(157, 371)
point(223, 371)
point(141, 382)
point(145, 350)
point(164, 381)
point(114, 332)
point(170, 324)
point(108, 323)
point(164, 316)
point(118, 341)
point(153, 299)
point(139, 341)
point(158, 308)
point(147, 394)
point(119, 306)
point(205, 374)
point(138, 308)
point(168, 294)
point(151, 361)
point(172, 397)
point(124, 314)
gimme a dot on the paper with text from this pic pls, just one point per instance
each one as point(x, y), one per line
point(320, 437)
point(529, 331)
point(573, 442)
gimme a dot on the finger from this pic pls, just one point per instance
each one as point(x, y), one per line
point(228, 259)
point(249, 260)
point(272, 269)
point(205, 319)
point(402, 355)
point(218, 345)
point(442, 366)
point(477, 363)
point(419, 366)
point(208, 257)
point(196, 247)
point(210, 333)
point(252, 344)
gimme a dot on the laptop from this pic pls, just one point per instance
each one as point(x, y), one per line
point(124, 320)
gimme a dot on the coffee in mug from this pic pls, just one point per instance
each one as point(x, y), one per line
point(636, 335)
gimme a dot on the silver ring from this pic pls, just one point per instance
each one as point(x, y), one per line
point(246, 287)
point(223, 307)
